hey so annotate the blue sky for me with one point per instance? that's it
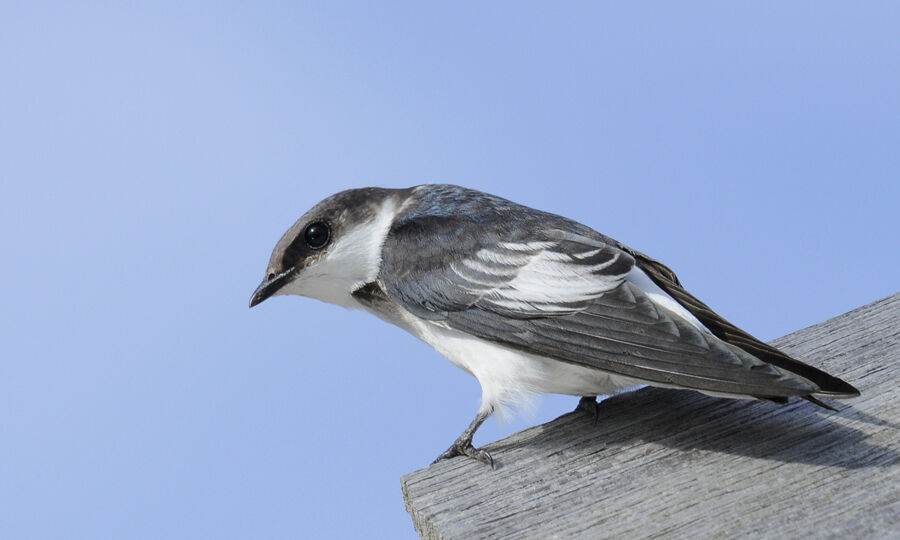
(151, 157)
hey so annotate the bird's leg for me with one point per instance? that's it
(589, 405)
(463, 445)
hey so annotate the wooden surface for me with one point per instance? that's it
(669, 463)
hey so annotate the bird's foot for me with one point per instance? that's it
(463, 447)
(463, 444)
(589, 405)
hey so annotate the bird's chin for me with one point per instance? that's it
(271, 287)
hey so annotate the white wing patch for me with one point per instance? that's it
(532, 277)
(659, 297)
(527, 246)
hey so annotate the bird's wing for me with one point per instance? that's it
(666, 279)
(563, 295)
(626, 333)
(512, 272)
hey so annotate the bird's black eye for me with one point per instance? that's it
(317, 234)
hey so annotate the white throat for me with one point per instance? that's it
(353, 260)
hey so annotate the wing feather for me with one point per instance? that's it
(616, 337)
(666, 279)
(527, 273)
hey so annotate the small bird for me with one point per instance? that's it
(526, 301)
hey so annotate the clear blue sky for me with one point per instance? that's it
(150, 157)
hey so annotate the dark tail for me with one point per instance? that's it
(829, 385)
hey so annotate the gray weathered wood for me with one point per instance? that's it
(679, 464)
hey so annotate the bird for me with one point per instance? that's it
(527, 301)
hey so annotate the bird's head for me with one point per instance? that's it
(332, 249)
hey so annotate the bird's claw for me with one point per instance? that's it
(465, 448)
(589, 405)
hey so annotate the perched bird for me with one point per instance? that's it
(524, 300)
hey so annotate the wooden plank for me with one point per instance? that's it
(668, 463)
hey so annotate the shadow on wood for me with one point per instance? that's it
(682, 421)
(677, 462)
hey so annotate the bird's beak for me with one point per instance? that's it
(270, 286)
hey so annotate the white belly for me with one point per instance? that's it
(508, 376)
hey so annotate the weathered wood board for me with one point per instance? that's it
(669, 463)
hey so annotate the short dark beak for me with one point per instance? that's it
(270, 286)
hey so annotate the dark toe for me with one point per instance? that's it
(479, 454)
(466, 450)
(589, 405)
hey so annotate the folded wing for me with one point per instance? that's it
(557, 291)
(513, 273)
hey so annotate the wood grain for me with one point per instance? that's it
(669, 463)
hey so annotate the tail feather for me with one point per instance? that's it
(724, 330)
(819, 403)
